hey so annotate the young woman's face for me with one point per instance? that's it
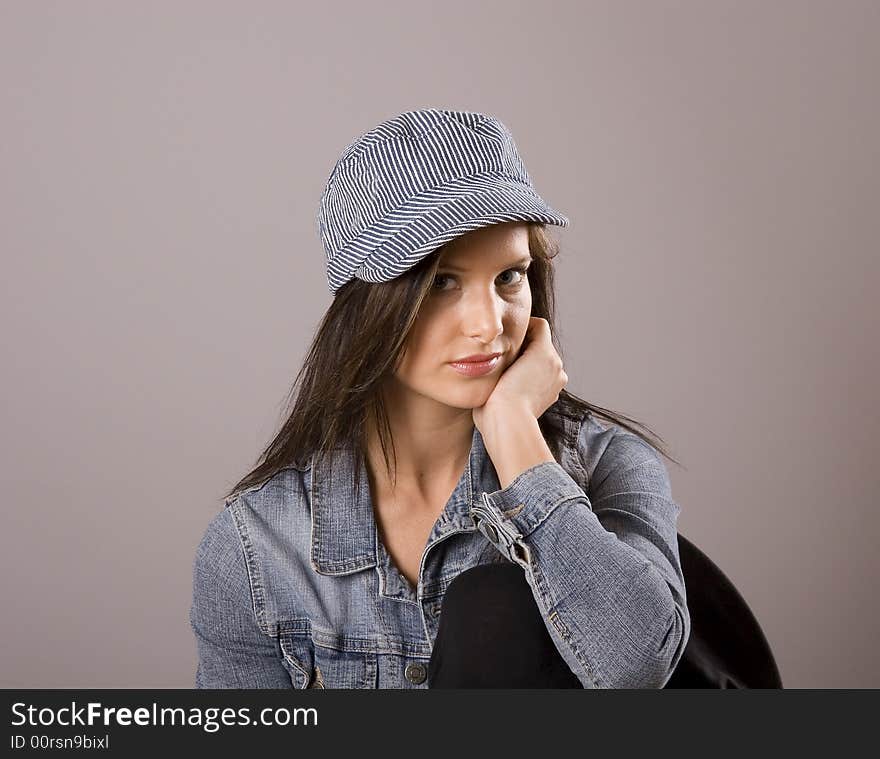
(480, 303)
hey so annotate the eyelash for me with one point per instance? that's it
(512, 286)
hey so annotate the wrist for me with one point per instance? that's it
(514, 441)
(501, 408)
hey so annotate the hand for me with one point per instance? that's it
(534, 379)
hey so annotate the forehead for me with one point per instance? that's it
(498, 243)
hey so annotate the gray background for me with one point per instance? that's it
(162, 276)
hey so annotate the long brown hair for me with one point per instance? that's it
(356, 348)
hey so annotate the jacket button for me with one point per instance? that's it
(490, 533)
(416, 673)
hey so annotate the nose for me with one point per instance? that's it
(482, 315)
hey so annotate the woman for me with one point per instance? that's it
(437, 511)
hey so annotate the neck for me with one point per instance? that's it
(432, 443)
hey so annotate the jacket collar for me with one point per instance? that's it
(344, 531)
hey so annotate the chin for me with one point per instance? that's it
(464, 394)
(470, 397)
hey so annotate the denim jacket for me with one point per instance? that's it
(293, 588)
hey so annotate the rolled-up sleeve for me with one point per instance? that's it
(604, 569)
(233, 652)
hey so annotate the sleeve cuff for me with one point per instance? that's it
(507, 516)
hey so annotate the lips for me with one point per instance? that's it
(475, 358)
(470, 368)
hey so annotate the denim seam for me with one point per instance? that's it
(557, 622)
(375, 598)
(564, 633)
(576, 424)
(260, 485)
(254, 577)
(635, 492)
(621, 472)
(551, 509)
(354, 645)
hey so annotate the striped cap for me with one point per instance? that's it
(415, 182)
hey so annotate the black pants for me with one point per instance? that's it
(491, 635)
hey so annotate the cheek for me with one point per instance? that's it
(422, 350)
(518, 317)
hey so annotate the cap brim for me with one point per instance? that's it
(398, 242)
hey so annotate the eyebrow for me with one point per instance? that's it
(519, 261)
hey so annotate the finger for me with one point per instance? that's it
(539, 325)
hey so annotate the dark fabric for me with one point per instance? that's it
(491, 634)
(726, 648)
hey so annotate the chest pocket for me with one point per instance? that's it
(317, 659)
(345, 669)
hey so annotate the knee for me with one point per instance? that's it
(492, 634)
(493, 595)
